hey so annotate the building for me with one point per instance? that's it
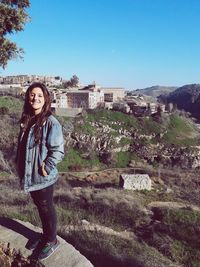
(77, 99)
(113, 94)
(28, 79)
(121, 106)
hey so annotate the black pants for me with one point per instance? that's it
(43, 199)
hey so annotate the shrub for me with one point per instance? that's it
(180, 223)
(123, 159)
(4, 110)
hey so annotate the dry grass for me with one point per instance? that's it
(158, 242)
(114, 251)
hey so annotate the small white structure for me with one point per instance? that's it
(135, 181)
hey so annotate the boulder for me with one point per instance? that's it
(135, 181)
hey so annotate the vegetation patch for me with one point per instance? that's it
(183, 224)
(86, 128)
(149, 126)
(4, 174)
(74, 161)
(109, 116)
(179, 132)
(114, 251)
(13, 104)
(125, 141)
(185, 254)
(71, 160)
(123, 159)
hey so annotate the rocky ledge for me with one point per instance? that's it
(14, 236)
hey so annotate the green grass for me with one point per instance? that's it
(125, 141)
(181, 224)
(179, 132)
(174, 129)
(185, 254)
(74, 161)
(109, 116)
(72, 158)
(123, 158)
(86, 128)
(4, 174)
(94, 161)
(12, 103)
(182, 216)
(149, 126)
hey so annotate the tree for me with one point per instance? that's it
(13, 17)
(73, 82)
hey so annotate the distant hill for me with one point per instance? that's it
(155, 91)
(186, 97)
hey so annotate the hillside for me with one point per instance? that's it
(123, 228)
(186, 97)
(105, 138)
(155, 91)
(109, 225)
(102, 138)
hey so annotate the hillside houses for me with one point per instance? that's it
(24, 80)
(73, 100)
(77, 99)
(140, 106)
(89, 97)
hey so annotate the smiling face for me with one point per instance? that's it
(36, 100)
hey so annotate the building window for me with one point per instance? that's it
(108, 97)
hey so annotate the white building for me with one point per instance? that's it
(113, 94)
(77, 99)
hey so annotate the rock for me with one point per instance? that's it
(135, 181)
(96, 228)
(85, 222)
(158, 180)
(18, 233)
(169, 190)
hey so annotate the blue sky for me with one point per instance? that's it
(124, 43)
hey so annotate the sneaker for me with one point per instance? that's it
(34, 243)
(48, 249)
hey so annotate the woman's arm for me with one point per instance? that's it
(55, 147)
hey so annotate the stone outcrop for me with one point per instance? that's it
(19, 233)
(107, 140)
(135, 181)
(87, 226)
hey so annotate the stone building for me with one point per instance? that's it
(77, 99)
(113, 94)
(28, 79)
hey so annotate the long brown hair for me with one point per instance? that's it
(27, 113)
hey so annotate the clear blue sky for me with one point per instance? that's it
(125, 43)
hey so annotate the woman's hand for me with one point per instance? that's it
(44, 173)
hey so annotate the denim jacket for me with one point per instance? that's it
(49, 151)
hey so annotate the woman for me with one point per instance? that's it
(40, 148)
